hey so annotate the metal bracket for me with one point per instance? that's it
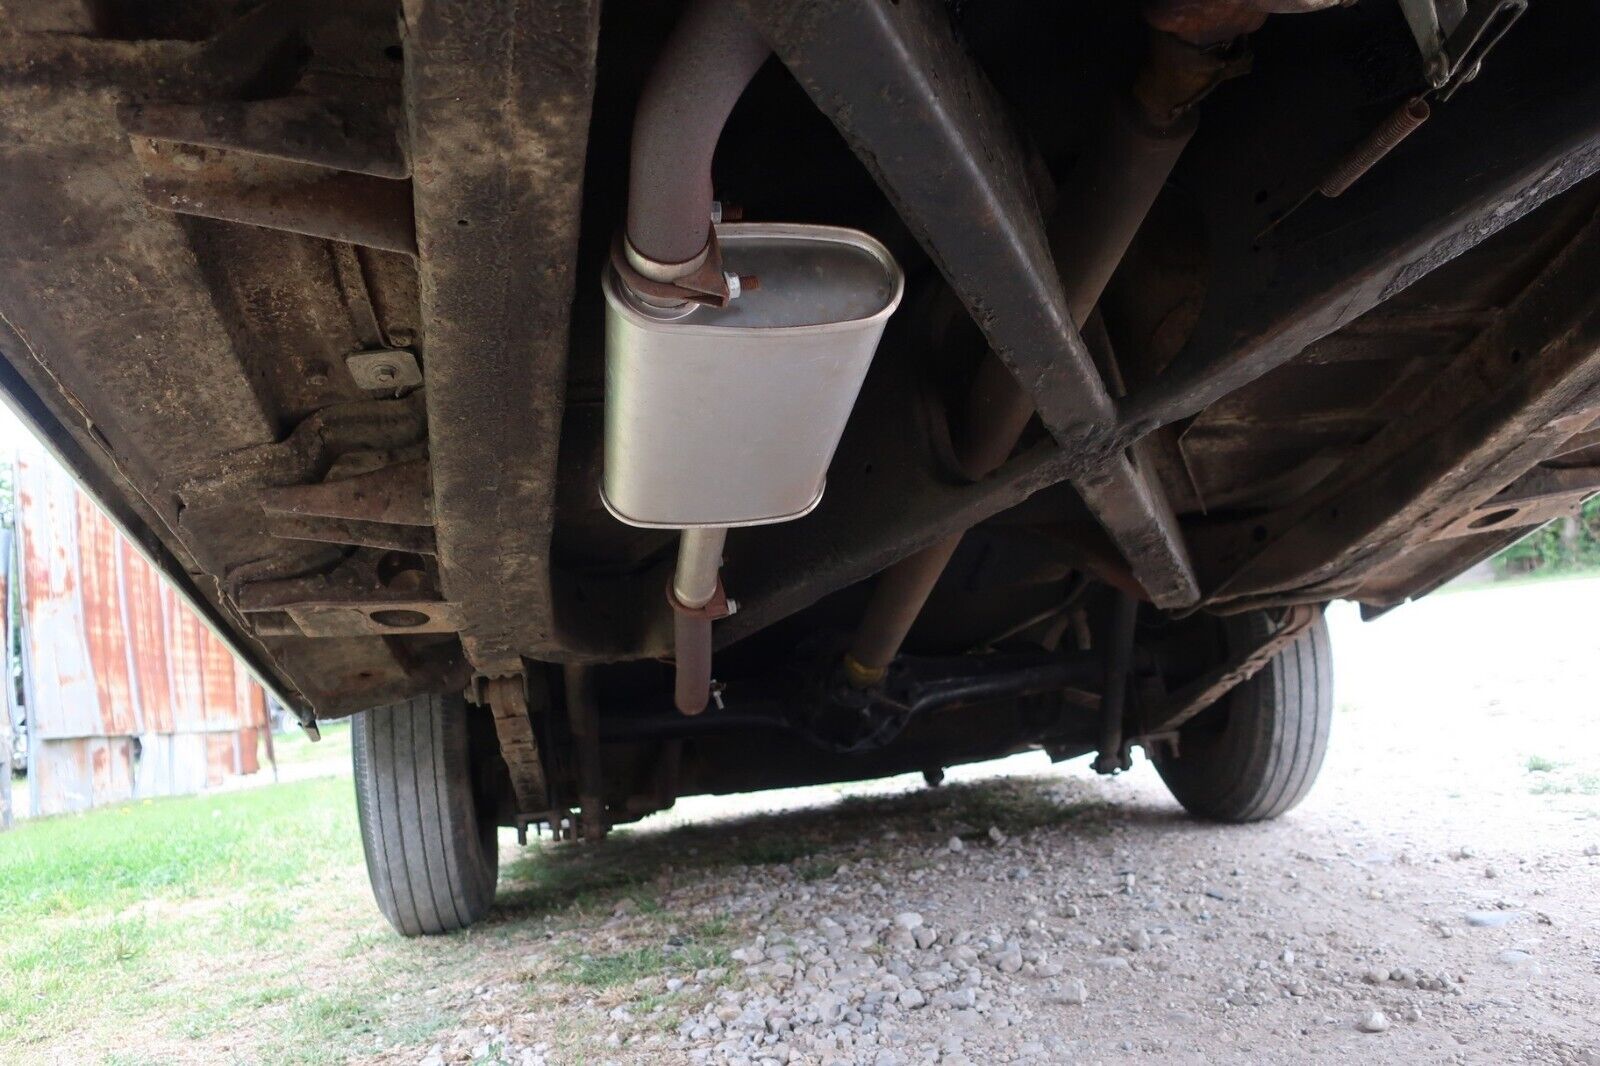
(1455, 35)
(397, 494)
(507, 698)
(1211, 686)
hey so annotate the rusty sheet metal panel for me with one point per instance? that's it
(128, 693)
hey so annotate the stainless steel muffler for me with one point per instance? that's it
(728, 416)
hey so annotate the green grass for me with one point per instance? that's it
(82, 865)
(1562, 777)
(714, 928)
(1573, 785)
(625, 967)
(100, 911)
(240, 917)
(296, 749)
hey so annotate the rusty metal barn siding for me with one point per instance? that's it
(8, 708)
(128, 693)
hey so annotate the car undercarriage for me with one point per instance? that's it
(476, 367)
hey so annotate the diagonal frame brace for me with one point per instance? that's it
(929, 127)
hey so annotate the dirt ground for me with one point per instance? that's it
(1437, 899)
(1441, 886)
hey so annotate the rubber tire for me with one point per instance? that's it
(431, 860)
(1255, 754)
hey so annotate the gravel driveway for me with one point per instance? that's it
(1437, 899)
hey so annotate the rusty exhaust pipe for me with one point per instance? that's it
(703, 69)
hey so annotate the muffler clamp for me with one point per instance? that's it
(714, 608)
(704, 284)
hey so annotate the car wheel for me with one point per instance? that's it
(432, 859)
(1255, 753)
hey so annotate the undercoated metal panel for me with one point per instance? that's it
(497, 194)
(128, 693)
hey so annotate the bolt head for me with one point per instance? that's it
(385, 372)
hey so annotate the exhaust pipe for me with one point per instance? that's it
(703, 69)
(695, 585)
(734, 353)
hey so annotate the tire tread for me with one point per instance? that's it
(1266, 756)
(432, 865)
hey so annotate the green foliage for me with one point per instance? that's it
(1557, 547)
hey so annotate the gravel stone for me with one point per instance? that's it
(1492, 919)
(1283, 942)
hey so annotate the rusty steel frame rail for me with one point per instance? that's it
(916, 110)
(498, 100)
(1326, 266)
(1511, 398)
(1216, 683)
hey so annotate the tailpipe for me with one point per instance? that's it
(697, 600)
(734, 352)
